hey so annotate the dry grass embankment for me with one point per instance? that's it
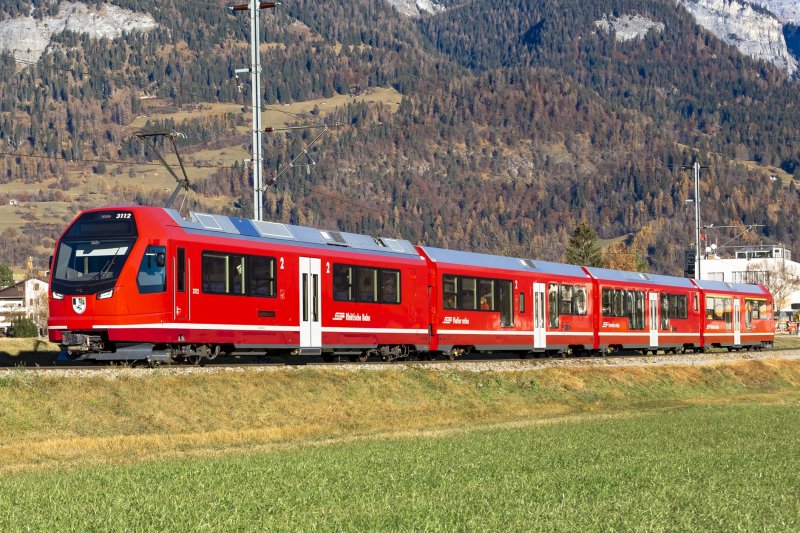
(52, 421)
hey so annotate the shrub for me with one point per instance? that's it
(24, 327)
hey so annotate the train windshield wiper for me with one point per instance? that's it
(107, 267)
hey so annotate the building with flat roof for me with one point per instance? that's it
(770, 265)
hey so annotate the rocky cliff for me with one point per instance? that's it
(27, 38)
(754, 31)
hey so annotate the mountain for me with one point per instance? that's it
(493, 125)
(755, 31)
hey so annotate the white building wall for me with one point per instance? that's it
(723, 270)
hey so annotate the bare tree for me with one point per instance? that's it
(779, 278)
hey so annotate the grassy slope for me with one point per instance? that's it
(710, 467)
(152, 415)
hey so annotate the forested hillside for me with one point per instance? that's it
(518, 119)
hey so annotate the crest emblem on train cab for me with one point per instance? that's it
(79, 304)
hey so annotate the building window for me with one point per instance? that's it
(751, 276)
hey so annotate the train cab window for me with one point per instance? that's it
(152, 276)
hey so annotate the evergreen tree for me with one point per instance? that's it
(6, 276)
(582, 248)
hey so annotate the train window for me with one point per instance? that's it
(552, 300)
(718, 308)
(579, 300)
(624, 304)
(242, 275)
(469, 288)
(365, 284)
(673, 306)
(665, 310)
(505, 302)
(342, 283)
(757, 309)
(181, 270)
(521, 302)
(450, 292)
(486, 291)
(152, 276)
(261, 276)
(215, 273)
(480, 294)
(390, 286)
(236, 271)
(607, 296)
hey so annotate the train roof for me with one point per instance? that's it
(623, 276)
(746, 288)
(441, 255)
(286, 233)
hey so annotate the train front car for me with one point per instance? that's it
(91, 278)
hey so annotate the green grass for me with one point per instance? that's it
(718, 468)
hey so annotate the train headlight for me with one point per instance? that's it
(105, 295)
(57, 296)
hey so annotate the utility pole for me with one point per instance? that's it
(696, 167)
(255, 6)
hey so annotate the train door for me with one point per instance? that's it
(737, 321)
(181, 287)
(653, 320)
(310, 312)
(539, 317)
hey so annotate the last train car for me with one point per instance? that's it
(736, 315)
(144, 283)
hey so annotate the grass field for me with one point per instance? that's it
(707, 467)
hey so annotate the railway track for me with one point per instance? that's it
(474, 364)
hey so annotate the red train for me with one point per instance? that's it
(132, 283)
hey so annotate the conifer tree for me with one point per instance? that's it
(582, 248)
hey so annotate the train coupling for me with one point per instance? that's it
(81, 342)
